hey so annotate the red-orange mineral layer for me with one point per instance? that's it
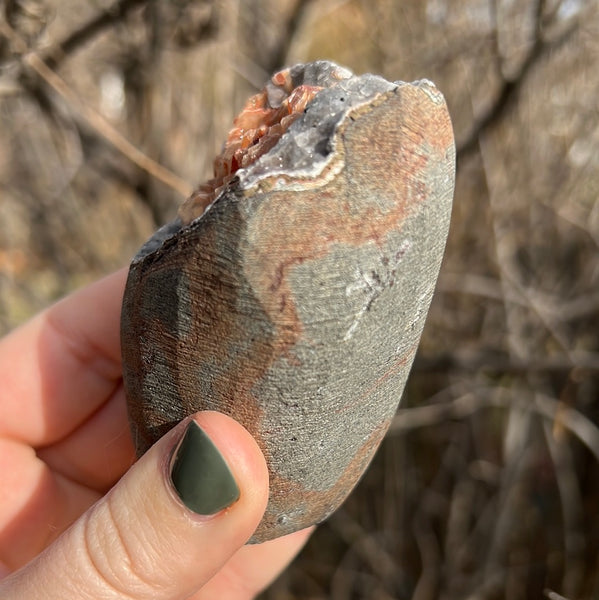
(291, 291)
(256, 130)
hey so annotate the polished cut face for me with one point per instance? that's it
(291, 290)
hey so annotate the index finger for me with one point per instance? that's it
(57, 369)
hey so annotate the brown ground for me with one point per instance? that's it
(488, 484)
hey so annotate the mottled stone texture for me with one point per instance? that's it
(295, 303)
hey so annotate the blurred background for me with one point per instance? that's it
(487, 485)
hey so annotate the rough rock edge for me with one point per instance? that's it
(308, 146)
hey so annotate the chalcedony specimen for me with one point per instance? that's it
(292, 289)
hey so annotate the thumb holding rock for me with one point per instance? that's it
(170, 524)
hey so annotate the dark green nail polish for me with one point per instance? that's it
(200, 474)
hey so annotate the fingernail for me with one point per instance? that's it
(200, 474)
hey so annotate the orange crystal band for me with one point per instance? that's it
(256, 130)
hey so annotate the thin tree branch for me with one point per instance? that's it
(493, 364)
(511, 87)
(278, 55)
(81, 36)
(93, 118)
(487, 397)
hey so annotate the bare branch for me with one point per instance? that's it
(279, 54)
(94, 119)
(494, 364)
(486, 397)
(510, 88)
(551, 595)
(81, 36)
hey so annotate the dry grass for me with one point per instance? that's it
(487, 485)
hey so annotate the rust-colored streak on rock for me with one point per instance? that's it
(392, 371)
(377, 186)
(292, 296)
(314, 506)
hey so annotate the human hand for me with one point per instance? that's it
(76, 519)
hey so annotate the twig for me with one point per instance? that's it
(512, 86)
(363, 543)
(490, 288)
(571, 502)
(427, 585)
(90, 29)
(93, 118)
(279, 54)
(492, 363)
(486, 397)
(551, 595)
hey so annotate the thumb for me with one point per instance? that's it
(166, 528)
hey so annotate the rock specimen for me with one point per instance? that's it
(292, 289)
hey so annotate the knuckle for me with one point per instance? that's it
(117, 560)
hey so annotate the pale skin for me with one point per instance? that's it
(65, 442)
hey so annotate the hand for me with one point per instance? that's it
(76, 519)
